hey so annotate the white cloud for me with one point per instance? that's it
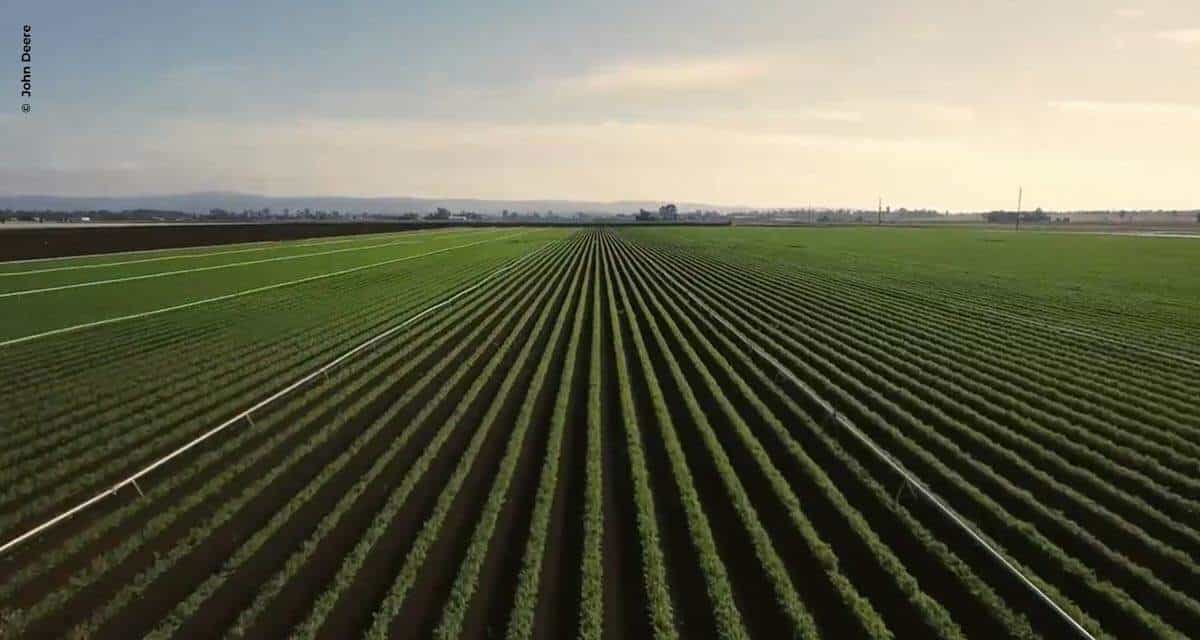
(856, 144)
(1181, 37)
(278, 144)
(522, 160)
(680, 75)
(885, 115)
(1129, 13)
(758, 117)
(829, 115)
(947, 113)
(1138, 109)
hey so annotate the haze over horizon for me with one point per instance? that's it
(1088, 105)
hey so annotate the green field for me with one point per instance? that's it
(663, 432)
(1131, 274)
(44, 296)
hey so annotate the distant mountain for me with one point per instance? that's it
(203, 202)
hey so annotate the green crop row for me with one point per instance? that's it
(525, 600)
(189, 607)
(165, 519)
(229, 509)
(353, 562)
(288, 315)
(157, 423)
(919, 408)
(802, 624)
(446, 331)
(936, 617)
(66, 308)
(658, 591)
(968, 581)
(725, 611)
(414, 560)
(513, 288)
(898, 442)
(591, 595)
(847, 280)
(467, 580)
(932, 404)
(92, 404)
(951, 344)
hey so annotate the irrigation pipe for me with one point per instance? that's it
(909, 477)
(245, 415)
(238, 294)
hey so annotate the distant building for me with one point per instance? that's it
(667, 212)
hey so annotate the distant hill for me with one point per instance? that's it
(203, 202)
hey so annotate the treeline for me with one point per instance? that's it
(1010, 217)
(20, 215)
(1115, 216)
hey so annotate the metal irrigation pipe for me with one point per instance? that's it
(324, 369)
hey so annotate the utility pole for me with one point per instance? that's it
(879, 219)
(1020, 196)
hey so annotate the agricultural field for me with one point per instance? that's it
(606, 433)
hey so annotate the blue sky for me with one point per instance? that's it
(928, 103)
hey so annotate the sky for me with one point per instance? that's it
(942, 104)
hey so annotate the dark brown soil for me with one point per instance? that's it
(422, 608)
(694, 610)
(624, 587)
(494, 594)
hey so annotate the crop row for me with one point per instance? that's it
(329, 404)
(628, 435)
(86, 451)
(1175, 604)
(337, 402)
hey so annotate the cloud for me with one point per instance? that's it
(1137, 109)
(727, 159)
(946, 113)
(830, 115)
(679, 75)
(352, 140)
(1181, 37)
(601, 159)
(782, 116)
(1129, 13)
(854, 144)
